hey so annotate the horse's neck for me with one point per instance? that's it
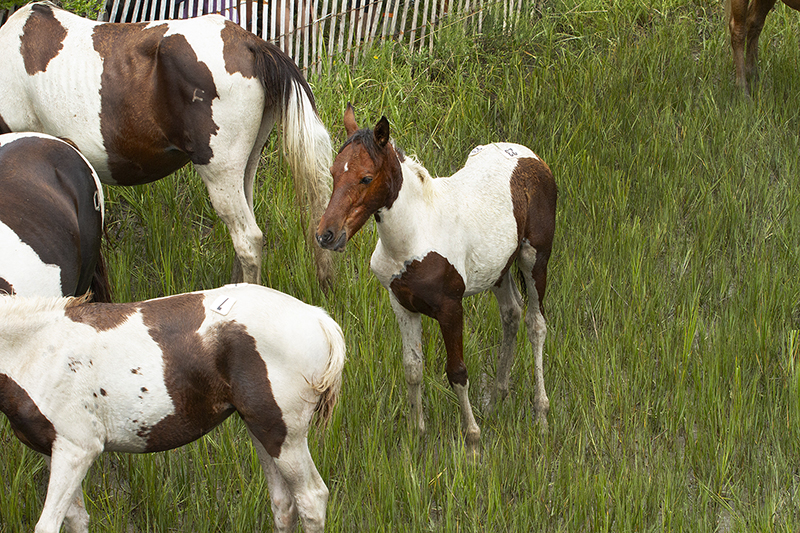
(411, 216)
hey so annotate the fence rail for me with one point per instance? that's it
(313, 32)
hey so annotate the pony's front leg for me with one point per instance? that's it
(76, 519)
(411, 331)
(451, 321)
(68, 466)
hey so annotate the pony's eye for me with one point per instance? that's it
(366, 180)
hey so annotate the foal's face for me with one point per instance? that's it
(366, 178)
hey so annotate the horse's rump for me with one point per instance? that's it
(52, 205)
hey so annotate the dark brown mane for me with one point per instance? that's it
(366, 138)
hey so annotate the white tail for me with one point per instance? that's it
(329, 383)
(307, 147)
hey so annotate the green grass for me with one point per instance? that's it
(673, 353)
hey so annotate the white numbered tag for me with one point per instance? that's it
(223, 304)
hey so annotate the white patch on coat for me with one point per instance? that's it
(72, 80)
(22, 267)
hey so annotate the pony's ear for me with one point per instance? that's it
(350, 125)
(382, 132)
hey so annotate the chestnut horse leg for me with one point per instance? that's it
(450, 316)
(510, 302)
(756, 16)
(738, 28)
(534, 269)
(413, 361)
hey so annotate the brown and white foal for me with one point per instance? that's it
(78, 379)
(447, 238)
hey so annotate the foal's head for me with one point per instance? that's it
(366, 178)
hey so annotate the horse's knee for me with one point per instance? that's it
(413, 367)
(313, 505)
(284, 512)
(537, 327)
(77, 520)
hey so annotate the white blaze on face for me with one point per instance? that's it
(21, 266)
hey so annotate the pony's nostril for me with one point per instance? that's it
(325, 238)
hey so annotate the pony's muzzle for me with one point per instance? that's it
(332, 241)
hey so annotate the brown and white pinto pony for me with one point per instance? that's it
(142, 100)
(51, 219)
(443, 239)
(78, 379)
(745, 21)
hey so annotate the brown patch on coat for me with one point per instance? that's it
(251, 394)
(3, 126)
(432, 286)
(42, 39)
(27, 421)
(48, 202)
(208, 377)
(6, 287)
(156, 98)
(533, 196)
(102, 317)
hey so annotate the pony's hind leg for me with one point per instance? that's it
(231, 204)
(533, 265)
(284, 508)
(411, 331)
(296, 472)
(756, 15)
(510, 303)
(253, 160)
(68, 466)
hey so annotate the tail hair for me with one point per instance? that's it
(100, 287)
(329, 384)
(305, 140)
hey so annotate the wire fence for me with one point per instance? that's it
(314, 32)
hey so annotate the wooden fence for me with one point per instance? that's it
(314, 32)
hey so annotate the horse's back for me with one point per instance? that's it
(290, 327)
(135, 98)
(51, 216)
(503, 194)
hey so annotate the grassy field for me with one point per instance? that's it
(673, 353)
